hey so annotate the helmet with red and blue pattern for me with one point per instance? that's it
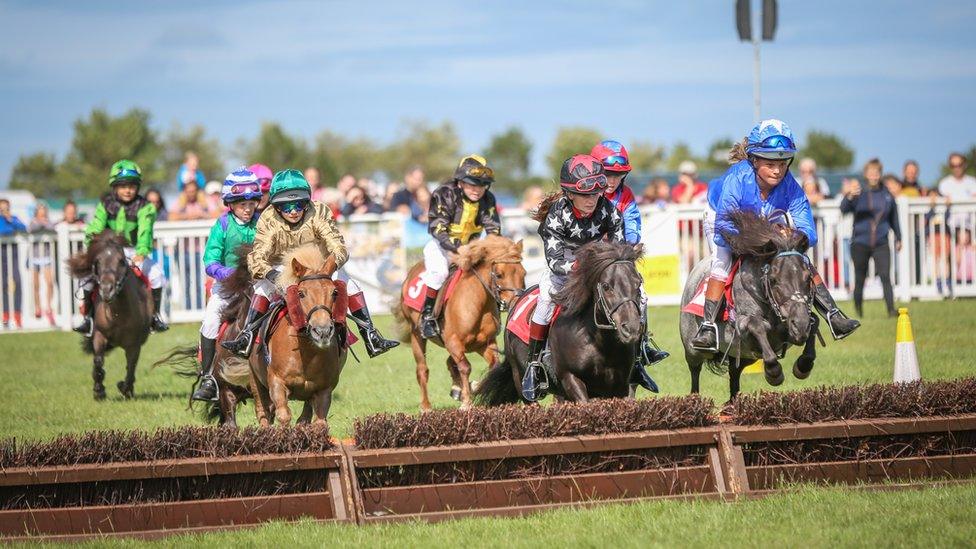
(241, 184)
(771, 139)
(613, 155)
(583, 174)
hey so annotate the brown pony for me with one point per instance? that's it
(302, 366)
(492, 277)
(123, 309)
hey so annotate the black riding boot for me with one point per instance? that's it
(428, 324)
(207, 389)
(707, 337)
(88, 311)
(375, 343)
(157, 321)
(840, 325)
(535, 383)
(241, 345)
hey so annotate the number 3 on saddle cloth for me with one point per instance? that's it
(697, 304)
(414, 293)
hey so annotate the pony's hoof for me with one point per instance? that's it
(774, 373)
(456, 393)
(99, 394)
(802, 367)
(124, 389)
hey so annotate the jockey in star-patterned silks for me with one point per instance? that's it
(581, 215)
(616, 166)
(759, 181)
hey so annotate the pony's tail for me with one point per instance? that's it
(402, 323)
(498, 387)
(183, 361)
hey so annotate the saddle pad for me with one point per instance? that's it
(697, 304)
(415, 292)
(521, 315)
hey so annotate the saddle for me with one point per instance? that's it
(415, 292)
(697, 304)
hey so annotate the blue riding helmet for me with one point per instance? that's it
(771, 139)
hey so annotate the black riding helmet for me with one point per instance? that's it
(474, 170)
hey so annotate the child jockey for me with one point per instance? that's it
(128, 213)
(563, 231)
(292, 221)
(460, 210)
(616, 166)
(241, 193)
(264, 175)
(759, 180)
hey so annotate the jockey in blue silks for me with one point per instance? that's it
(760, 181)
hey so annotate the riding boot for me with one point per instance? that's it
(535, 383)
(428, 324)
(639, 375)
(707, 337)
(840, 325)
(207, 389)
(375, 343)
(87, 311)
(242, 344)
(157, 321)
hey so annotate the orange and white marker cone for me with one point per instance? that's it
(906, 361)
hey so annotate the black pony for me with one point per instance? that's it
(772, 292)
(593, 341)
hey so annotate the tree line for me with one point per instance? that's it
(100, 139)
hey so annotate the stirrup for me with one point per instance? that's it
(429, 328)
(214, 398)
(91, 327)
(830, 315)
(233, 345)
(706, 325)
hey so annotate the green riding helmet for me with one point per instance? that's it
(289, 186)
(125, 172)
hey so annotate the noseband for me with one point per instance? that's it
(607, 309)
(494, 287)
(768, 289)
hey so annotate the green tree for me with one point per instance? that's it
(101, 140)
(829, 150)
(645, 157)
(335, 155)
(571, 140)
(717, 158)
(509, 154)
(434, 148)
(680, 152)
(37, 173)
(275, 148)
(178, 141)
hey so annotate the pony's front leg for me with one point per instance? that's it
(736, 365)
(455, 347)
(771, 367)
(227, 406)
(306, 416)
(419, 347)
(262, 401)
(321, 404)
(98, 365)
(575, 388)
(127, 387)
(279, 396)
(804, 363)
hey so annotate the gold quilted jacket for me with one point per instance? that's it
(275, 237)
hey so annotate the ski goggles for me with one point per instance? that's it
(779, 142)
(245, 188)
(589, 184)
(292, 207)
(480, 172)
(127, 176)
(615, 160)
(265, 184)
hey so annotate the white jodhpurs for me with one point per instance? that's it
(435, 264)
(210, 326)
(267, 289)
(721, 256)
(352, 287)
(549, 284)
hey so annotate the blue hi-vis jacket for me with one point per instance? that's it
(738, 190)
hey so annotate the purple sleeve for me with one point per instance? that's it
(218, 271)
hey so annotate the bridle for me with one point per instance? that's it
(605, 307)
(320, 307)
(494, 287)
(768, 289)
(119, 278)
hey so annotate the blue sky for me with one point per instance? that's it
(896, 79)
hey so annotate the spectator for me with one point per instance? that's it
(957, 186)
(345, 183)
(153, 195)
(689, 190)
(9, 265)
(392, 188)
(893, 184)
(212, 195)
(938, 244)
(42, 260)
(359, 202)
(70, 215)
(314, 179)
(532, 197)
(657, 193)
(808, 172)
(812, 190)
(411, 199)
(909, 180)
(966, 258)
(332, 199)
(190, 204)
(190, 171)
(875, 213)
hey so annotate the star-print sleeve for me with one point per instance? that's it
(553, 234)
(615, 230)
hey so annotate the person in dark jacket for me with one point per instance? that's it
(875, 214)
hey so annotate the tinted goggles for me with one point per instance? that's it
(291, 207)
(480, 172)
(588, 184)
(615, 160)
(245, 188)
(776, 142)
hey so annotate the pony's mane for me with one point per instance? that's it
(309, 255)
(757, 237)
(81, 263)
(591, 259)
(489, 248)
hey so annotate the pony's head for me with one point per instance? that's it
(606, 281)
(105, 261)
(785, 276)
(503, 258)
(311, 273)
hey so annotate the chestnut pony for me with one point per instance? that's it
(492, 276)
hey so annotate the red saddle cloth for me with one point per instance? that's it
(697, 304)
(415, 292)
(521, 315)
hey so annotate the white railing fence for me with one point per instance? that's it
(937, 258)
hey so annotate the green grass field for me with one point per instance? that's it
(48, 384)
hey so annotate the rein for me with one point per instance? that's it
(313, 310)
(602, 300)
(120, 278)
(494, 289)
(768, 289)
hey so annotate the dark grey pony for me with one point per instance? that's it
(772, 292)
(593, 343)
